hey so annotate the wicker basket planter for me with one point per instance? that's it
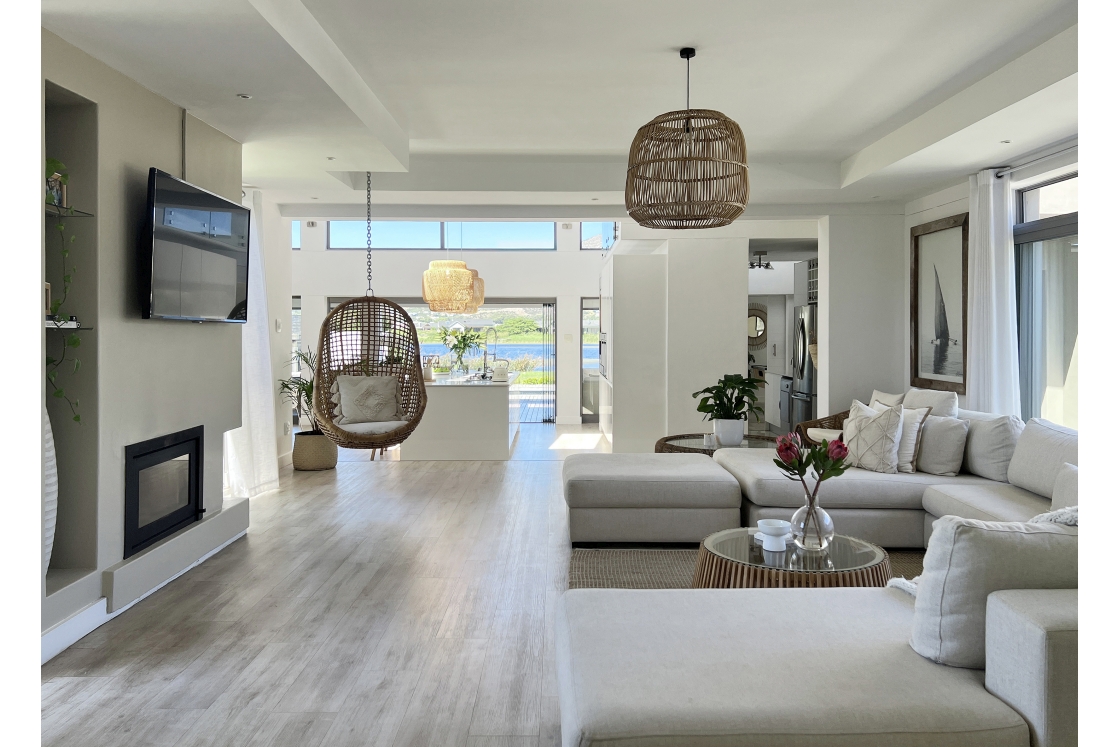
(314, 451)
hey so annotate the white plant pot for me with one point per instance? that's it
(728, 432)
(50, 491)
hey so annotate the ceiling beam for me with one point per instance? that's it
(294, 22)
(1052, 61)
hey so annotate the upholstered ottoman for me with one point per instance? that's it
(648, 497)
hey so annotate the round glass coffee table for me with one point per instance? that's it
(693, 443)
(733, 559)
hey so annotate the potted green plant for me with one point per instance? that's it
(312, 450)
(732, 399)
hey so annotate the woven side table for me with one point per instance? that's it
(731, 559)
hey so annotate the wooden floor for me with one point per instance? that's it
(381, 603)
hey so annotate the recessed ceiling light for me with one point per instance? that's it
(244, 96)
(1005, 142)
(330, 158)
(314, 198)
(874, 197)
(594, 199)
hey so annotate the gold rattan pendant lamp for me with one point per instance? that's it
(449, 285)
(688, 168)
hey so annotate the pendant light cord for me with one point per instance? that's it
(369, 235)
(688, 83)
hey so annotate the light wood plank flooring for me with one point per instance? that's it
(381, 603)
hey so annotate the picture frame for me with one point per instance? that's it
(939, 304)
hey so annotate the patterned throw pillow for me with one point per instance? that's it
(873, 437)
(367, 399)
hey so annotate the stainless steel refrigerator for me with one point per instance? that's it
(803, 393)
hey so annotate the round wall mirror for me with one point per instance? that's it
(756, 327)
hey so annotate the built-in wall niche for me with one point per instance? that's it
(70, 134)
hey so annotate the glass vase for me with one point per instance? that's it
(812, 527)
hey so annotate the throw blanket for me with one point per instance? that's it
(1066, 516)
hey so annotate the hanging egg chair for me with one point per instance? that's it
(371, 337)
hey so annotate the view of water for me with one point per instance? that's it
(513, 351)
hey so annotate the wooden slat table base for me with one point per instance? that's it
(716, 572)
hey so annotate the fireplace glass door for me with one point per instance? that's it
(162, 488)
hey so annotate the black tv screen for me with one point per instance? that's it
(194, 254)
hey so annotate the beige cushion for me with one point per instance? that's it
(368, 399)
(941, 450)
(1065, 487)
(991, 443)
(966, 561)
(890, 400)
(820, 435)
(941, 404)
(763, 484)
(873, 437)
(649, 481)
(1042, 450)
(761, 668)
(991, 501)
(370, 429)
(912, 422)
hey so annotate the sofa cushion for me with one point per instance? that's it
(764, 484)
(941, 449)
(1042, 450)
(941, 404)
(966, 561)
(991, 443)
(1065, 487)
(754, 667)
(649, 480)
(368, 429)
(890, 400)
(991, 501)
(912, 422)
(873, 437)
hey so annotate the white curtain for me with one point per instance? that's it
(992, 379)
(250, 451)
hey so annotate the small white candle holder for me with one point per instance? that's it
(775, 533)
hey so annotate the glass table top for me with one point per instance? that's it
(843, 554)
(752, 441)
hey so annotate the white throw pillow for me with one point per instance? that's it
(966, 561)
(941, 404)
(890, 400)
(1065, 487)
(991, 444)
(872, 437)
(368, 399)
(912, 422)
(941, 449)
(1042, 450)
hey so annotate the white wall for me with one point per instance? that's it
(276, 254)
(567, 275)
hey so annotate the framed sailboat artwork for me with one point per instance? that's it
(939, 304)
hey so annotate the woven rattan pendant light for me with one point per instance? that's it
(687, 169)
(449, 285)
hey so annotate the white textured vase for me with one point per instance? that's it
(50, 491)
(728, 432)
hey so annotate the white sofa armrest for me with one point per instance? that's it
(1031, 646)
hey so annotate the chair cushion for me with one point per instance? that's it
(941, 448)
(1042, 450)
(990, 501)
(764, 484)
(369, 429)
(820, 435)
(649, 480)
(941, 404)
(1065, 487)
(368, 399)
(966, 561)
(754, 667)
(991, 443)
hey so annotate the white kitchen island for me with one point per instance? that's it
(466, 420)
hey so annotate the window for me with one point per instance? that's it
(599, 236)
(1046, 248)
(390, 234)
(295, 234)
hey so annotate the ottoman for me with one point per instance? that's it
(648, 497)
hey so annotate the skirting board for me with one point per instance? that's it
(284, 460)
(75, 628)
(569, 420)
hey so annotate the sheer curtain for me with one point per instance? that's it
(992, 379)
(250, 465)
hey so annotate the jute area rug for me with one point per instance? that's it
(671, 569)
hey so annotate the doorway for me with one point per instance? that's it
(589, 361)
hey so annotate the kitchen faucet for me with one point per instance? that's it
(486, 350)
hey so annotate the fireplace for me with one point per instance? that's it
(162, 488)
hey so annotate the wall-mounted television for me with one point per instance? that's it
(194, 254)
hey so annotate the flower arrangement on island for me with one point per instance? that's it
(460, 342)
(811, 525)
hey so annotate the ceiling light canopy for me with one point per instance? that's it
(687, 168)
(759, 262)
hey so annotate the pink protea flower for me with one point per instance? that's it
(789, 448)
(837, 450)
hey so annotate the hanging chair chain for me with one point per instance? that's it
(369, 236)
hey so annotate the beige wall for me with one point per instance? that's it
(153, 377)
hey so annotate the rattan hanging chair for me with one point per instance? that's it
(369, 336)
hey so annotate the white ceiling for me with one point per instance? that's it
(811, 83)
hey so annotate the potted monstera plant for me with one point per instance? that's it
(733, 399)
(312, 450)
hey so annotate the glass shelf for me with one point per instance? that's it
(65, 212)
(63, 325)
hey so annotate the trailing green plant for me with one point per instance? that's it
(72, 341)
(733, 397)
(300, 391)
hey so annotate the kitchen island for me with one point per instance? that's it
(466, 420)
